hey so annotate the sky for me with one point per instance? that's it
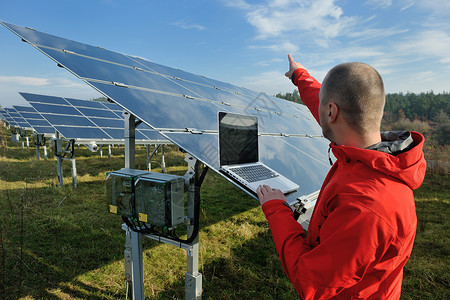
(243, 42)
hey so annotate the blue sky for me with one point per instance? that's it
(244, 42)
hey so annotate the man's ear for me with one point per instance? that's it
(333, 111)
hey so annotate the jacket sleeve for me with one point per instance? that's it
(352, 239)
(308, 88)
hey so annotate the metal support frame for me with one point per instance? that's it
(149, 156)
(40, 142)
(60, 154)
(163, 161)
(193, 279)
(133, 258)
(133, 249)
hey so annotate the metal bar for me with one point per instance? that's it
(137, 278)
(130, 143)
(74, 173)
(193, 279)
(163, 161)
(45, 152)
(137, 265)
(59, 170)
(149, 164)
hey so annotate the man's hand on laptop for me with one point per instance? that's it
(266, 193)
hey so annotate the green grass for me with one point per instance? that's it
(60, 243)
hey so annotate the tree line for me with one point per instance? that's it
(425, 112)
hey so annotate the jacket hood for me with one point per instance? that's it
(400, 154)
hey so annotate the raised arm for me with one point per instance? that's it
(307, 85)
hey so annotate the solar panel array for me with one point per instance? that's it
(3, 114)
(185, 106)
(35, 120)
(15, 119)
(83, 119)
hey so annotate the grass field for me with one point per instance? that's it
(60, 243)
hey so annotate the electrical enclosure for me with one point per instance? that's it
(153, 198)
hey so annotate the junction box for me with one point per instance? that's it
(149, 197)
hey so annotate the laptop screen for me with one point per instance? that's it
(238, 139)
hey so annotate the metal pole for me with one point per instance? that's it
(59, 170)
(101, 150)
(74, 173)
(28, 142)
(193, 279)
(130, 140)
(45, 152)
(163, 161)
(137, 279)
(109, 151)
(149, 164)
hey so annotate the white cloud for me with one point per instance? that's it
(377, 4)
(437, 7)
(269, 62)
(278, 17)
(185, 24)
(428, 44)
(406, 6)
(57, 86)
(270, 82)
(22, 80)
(281, 47)
(365, 34)
(37, 81)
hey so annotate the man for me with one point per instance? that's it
(363, 225)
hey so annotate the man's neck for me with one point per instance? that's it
(353, 139)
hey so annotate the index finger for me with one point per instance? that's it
(291, 59)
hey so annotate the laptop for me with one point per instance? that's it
(239, 158)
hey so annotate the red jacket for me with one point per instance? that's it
(362, 229)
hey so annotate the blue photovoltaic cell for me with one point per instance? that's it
(44, 99)
(44, 129)
(82, 132)
(69, 120)
(93, 120)
(8, 119)
(31, 115)
(89, 112)
(17, 119)
(55, 109)
(36, 121)
(108, 123)
(24, 109)
(113, 107)
(84, 103)
(174, 101)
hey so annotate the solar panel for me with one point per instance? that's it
(36, 121)
(2, 111)
(83, 119)
(185, 106)
(8, 119)
(17, 119)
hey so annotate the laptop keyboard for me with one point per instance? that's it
(254, 173)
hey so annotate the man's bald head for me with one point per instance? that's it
(358, 91)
